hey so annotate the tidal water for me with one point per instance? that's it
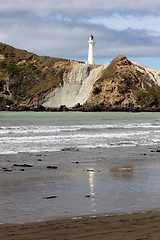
(34, 132)
(106, 162)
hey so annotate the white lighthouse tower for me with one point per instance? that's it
(91, 59)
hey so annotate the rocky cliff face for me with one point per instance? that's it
(28, 81)
(125, 85)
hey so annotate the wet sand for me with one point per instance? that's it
(112, 180)
(135, 226)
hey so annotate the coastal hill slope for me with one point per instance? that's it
(25, 78)
(126, 85)
(32, 82)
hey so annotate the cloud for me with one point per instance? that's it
(72, 7)
(53, 38)
(61, 28)
(123, 22)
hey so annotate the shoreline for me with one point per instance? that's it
(127, 226)
(94, 109)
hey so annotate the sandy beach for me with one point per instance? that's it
(135, 226)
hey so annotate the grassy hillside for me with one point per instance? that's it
(25, 77)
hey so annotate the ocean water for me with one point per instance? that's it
(107, 163)
(34, 132)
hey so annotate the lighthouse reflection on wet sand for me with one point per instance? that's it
(91, 58)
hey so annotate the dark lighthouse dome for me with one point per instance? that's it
(91, 36)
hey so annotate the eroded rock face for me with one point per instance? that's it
(153, 74)
(77, 85)
(125, 86)
(66, 94)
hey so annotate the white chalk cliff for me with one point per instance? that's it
(77, 86)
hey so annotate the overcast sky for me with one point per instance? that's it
(61, 28)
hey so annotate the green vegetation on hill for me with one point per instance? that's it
(25, 76)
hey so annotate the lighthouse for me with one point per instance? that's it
(91, 59)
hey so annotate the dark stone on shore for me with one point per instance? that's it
(39, 160)
(22, 170)
(52, 167)
(69, 149)
(158, 150)
(7, 170)
(78, 105)
(63, 108)
(90, 170)
(50, 197)
(38, 108)
(22, 165)
(87, 196)
(77, 162)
